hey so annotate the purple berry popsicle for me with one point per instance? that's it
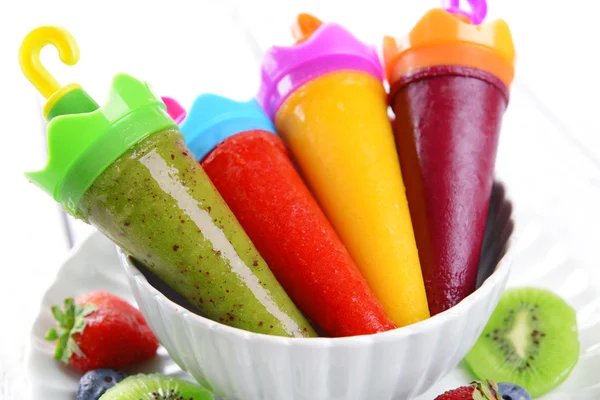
(449, 86)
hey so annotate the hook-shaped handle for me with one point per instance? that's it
(304, 27)
(29, 56)
(477, 13)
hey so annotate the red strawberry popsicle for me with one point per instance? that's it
(252, 170)
(449, 87)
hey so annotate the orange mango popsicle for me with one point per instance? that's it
(328, 103)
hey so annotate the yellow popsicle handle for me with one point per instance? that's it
(29, 56)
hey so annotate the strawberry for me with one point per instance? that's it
(100, 330)
(475, 391)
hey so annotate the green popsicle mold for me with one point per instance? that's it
(82, 145)
(74, 101)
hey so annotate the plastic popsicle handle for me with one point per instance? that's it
(304, 27)
(68, 99)
(477, 13)
(29, 56)
(174, 109)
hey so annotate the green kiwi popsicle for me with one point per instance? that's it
(125, 169)
(157, 203)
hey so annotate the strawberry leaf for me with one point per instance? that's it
(86, 310)
(71, 321)
(477, 395)
(58, 315)
(52, 335)
(485, 391)
(73, 348)
(80, 314)
(69, 312)
(59, 353)
(494, 388)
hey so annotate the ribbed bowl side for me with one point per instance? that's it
(399, 364)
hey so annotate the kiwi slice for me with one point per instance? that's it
(531, 340)
(156, 387)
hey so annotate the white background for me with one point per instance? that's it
(549, 152)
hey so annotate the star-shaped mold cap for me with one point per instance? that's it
(81, 146)
(445, 38)
(213, 118)
(320, 49)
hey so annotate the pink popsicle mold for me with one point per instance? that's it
(331, 48)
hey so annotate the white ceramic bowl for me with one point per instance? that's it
(399, 364)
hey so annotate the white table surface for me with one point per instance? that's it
(549, 153)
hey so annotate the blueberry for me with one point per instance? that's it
(510, 391)
(94, 383)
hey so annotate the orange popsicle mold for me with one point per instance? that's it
(442, 38)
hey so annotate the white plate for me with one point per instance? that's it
(538, 261)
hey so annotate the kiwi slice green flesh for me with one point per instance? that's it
(156, 387)
(531, 340)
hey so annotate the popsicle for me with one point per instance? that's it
(449, 88)
(251, 168)
(124, 168)
(328, 102)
